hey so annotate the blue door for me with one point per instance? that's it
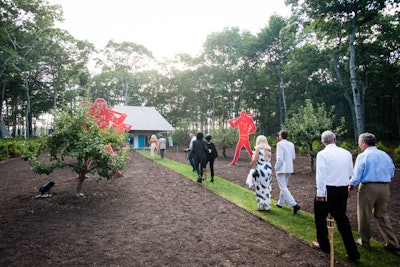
(141, 141)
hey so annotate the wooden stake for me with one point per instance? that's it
(331, 229)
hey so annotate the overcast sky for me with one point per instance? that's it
(165, 27)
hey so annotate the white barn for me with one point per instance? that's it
(145, 121)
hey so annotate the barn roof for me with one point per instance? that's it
(144, 119)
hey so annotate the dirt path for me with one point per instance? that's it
(150, 217)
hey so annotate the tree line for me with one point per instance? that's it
(339, 55)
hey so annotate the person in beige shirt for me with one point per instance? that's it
(162, 142)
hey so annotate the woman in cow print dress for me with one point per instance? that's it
(262, 185)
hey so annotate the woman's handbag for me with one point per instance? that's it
(255, 174)
(250, 179)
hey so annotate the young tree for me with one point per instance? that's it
(78, 142)
(308, 122)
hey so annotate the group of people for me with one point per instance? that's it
(200, 154)
(157, 145)
(336, 177)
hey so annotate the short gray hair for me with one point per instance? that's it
(328, 137)
(368, 138)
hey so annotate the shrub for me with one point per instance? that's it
(349, 146)
(225, 138)
(11, 148)
(381, 146)
(396, 155)
(181, 137)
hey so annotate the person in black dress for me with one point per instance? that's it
(212, 155)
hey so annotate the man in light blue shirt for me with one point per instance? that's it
(373, 171)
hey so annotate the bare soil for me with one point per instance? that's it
(152, 216)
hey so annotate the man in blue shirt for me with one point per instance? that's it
(373, 171)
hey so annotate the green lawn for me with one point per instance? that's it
(300, 225)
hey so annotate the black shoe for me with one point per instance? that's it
(279, 206)
(199, 180)
(296, 209)
(212, 179)
(354, 258)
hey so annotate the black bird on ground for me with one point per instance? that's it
(46, 187)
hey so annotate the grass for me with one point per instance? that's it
(300, 225)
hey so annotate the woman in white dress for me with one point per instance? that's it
(262, 185)
(153, 143)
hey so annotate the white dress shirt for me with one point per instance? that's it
(334, 168)
(194, 138)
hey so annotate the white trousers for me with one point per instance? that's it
(284, 195)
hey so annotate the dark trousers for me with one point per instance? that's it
(211, 161)
(200, 165)
(191, 160)
(336, 205)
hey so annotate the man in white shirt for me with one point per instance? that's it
(333, 171)
(191, 160)
(285, 154)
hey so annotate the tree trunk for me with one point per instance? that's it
(398, 121)
(126, 91)
(28, 108)
(346, 95)
(14, 118)
(80, 179)
(354, 86)
(3, 90)
(282, 89)
(312, 155)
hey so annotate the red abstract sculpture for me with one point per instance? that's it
(246, 127)
(104, 116)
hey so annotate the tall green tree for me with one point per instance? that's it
(24, 24)
(348, 21)
(120, 64)
(275, 42)
(229, 53)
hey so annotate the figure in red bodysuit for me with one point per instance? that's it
(246, 126)
(104, 115)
